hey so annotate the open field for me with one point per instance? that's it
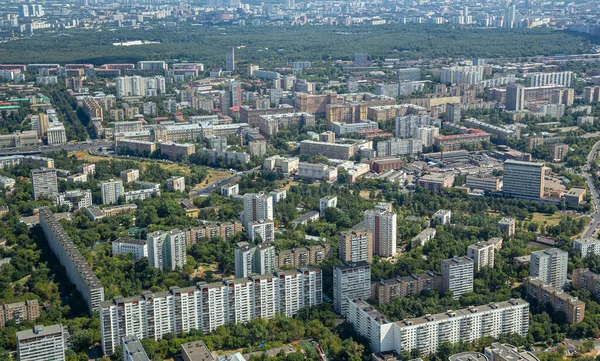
(365, 193)
(143, 164)
(214, 176)
(553, 219)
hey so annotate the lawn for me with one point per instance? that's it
(553, 219)
(143, 164)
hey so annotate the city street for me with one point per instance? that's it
(592, 228)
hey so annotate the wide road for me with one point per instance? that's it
(69, 147)
(592, 228)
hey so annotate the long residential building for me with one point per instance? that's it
(317, 171)
(77, 269)
(564, 78)
(583, 278)
(330, 150)
(208, 230)
(207, 306)
(302, 256)
(455, 141)
(573, 308)
(587, 246)
(385, 291)
(427, 333)
(30, 160)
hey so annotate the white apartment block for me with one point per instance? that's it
(507, 226)
(397, 146)
(482, 253)
(426, 134)
(111, 191)
(250, 260)
(75, 199)
(56, 134)
(443, 216)
(317, 171)
(42, 343)
(278, 195)
(457, 275)
(327, 202)
(45, 183)
(257, 207)
(383, 225)
(176, 184)
(284, 165)
(140, 194)
(587, 246)
(462, 74)
(138, 86)
(549, 266)
(207, 306)
(137, 247)
(407, 125)
(230, 190)
(263, 230)
(429, 332)
(563, 78)
(166, 250)
(350, 281)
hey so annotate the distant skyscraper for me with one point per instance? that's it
(515, 97)
(230, 59)
(361, 59)
(511, 16)
(235, 89)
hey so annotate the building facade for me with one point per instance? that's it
(426, 334)
(77, 269)
(549, 266)
(207, 306)
(42, 343)
(350, 281)
(457, 275)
